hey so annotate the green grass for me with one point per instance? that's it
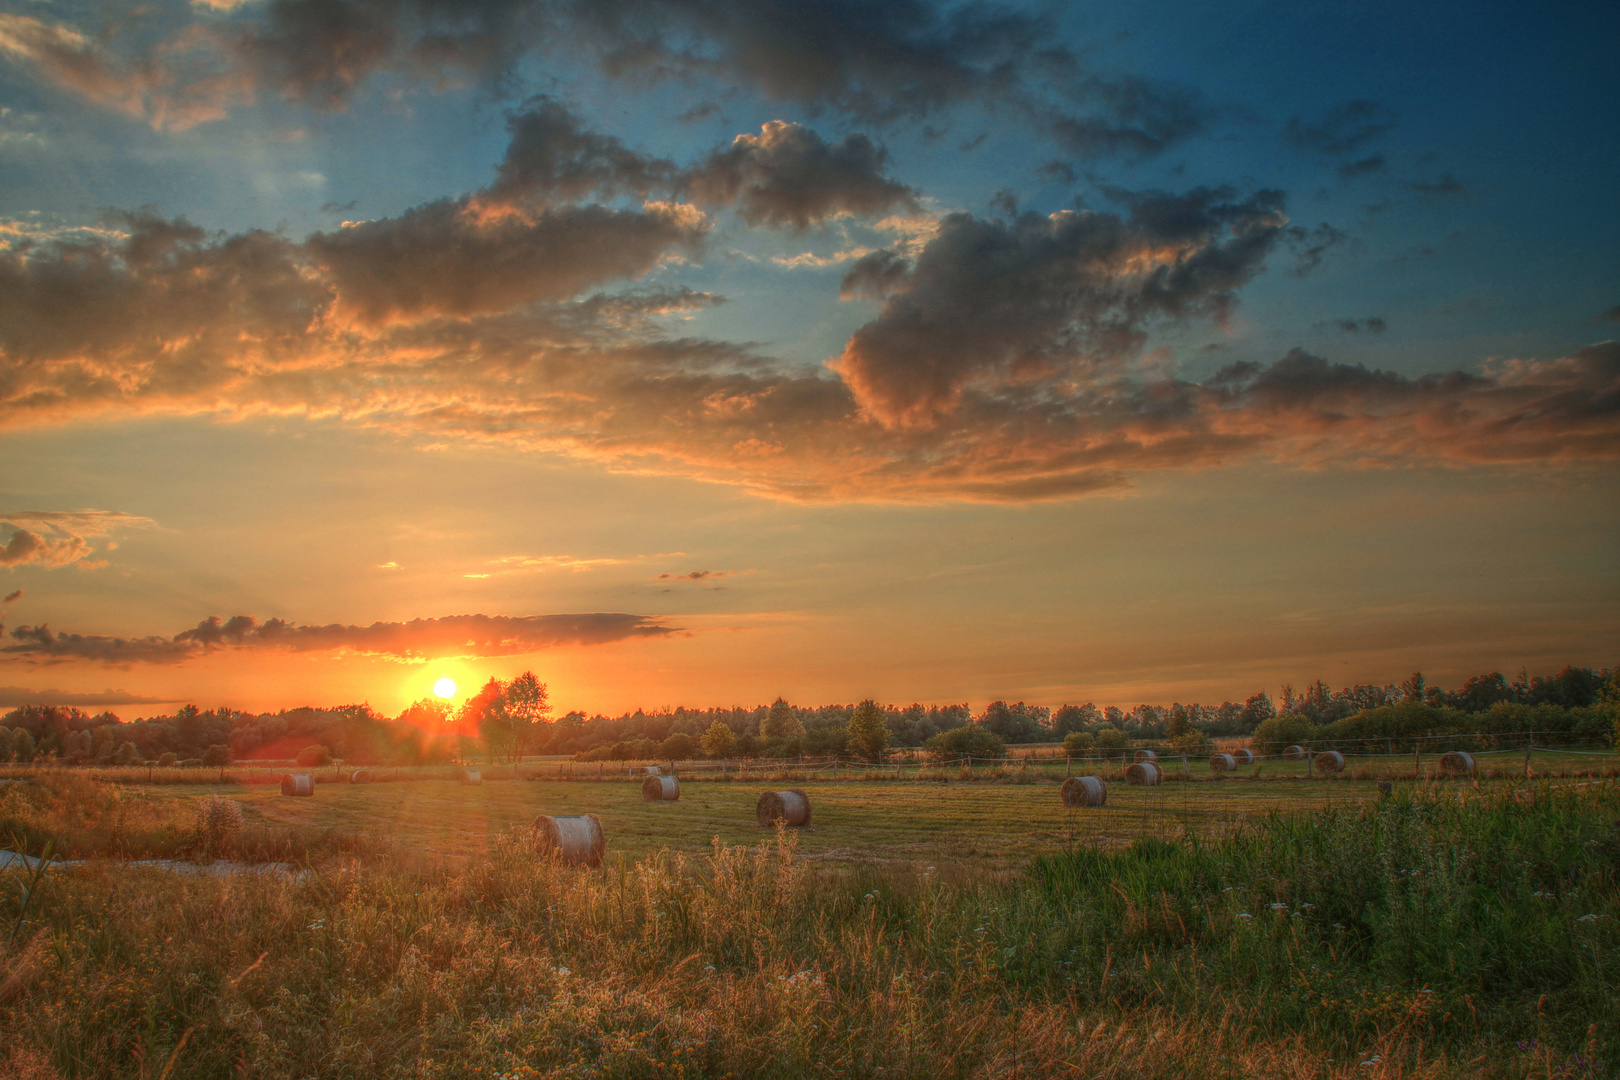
(953, 931)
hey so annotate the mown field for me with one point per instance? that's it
(1233, 928)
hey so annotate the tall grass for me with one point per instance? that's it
(1440, 934)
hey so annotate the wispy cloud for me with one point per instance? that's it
(56, 538)
(449, 636)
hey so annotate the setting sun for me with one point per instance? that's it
(445, 688)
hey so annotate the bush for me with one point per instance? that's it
(718, 741)
(970, 739)
(313, 755)
(1076, 742)
(219, 755)
(1281, 732)
(678, 747)
(1110, 738)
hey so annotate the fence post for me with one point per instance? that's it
(1068, 766)
(1531, 745)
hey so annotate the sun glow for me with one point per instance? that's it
(445, 688)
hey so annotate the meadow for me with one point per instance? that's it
(1235, 927)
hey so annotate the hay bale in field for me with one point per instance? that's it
(1145, 755)
(1144, 773)
(1219, 763)
(297, 784)
(1329, 762)
(1083, 791)
(1295, 753)
(574, 841)
(1244, 756)
(360, 776)
(788, 807)
(1457, 763)
(660, 789)
(472, 776)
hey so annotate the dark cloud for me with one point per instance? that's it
(552, 157)
(13, 696)
(1038, 298)
(874, 276)
(1057, 172)
(454, 635)
(339, 208)
(787, 175)
(1311, 246)
(1372, 325)
(1366, 166)
(1132, 117)
(698, 113)
(696, 575)
(11, 598)
(1612, 315)
(1445, 186)
(1343, 129)
(456, 257)
(881, 63)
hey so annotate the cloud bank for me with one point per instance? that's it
(451, 636)
(56, 538)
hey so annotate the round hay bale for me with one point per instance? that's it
(660, 789)
(1457, 763)
(1295, 753)
(1145, 755)
(1219, 763)
(1145, 773)
(1329, 762)
(1244, 756)
(297, 784)
(573, 841)
(1083, 791)
(472, 776)
(788, 807)
(360, 776)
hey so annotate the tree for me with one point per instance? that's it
(314, 755)
(1257, 710)
(679, 747)
(217, 755)
(782, 722)
(1076, 741)
(868, 735)
(525, 703)
(718, 740)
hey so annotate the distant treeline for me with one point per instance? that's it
(507, 720)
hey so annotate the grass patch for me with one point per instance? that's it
(1443, 932)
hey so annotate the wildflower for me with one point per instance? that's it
(1279, 907)
(1589, 917)
(1244, 915)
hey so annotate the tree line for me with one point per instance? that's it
(505, 721)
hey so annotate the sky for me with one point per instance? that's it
(696, 352)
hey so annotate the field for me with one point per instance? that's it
(1226, 928)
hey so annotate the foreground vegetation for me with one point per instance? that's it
(1443, 931)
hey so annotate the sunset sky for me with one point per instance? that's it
(701, 351)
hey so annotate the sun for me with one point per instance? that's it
(445, 688)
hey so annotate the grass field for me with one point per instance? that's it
(1270, 928)
(1001, 819)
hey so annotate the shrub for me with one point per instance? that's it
(168, 758)
(313, 755)
(219, 755)
(1110, 738)
(678, 747)
(970, 739)
(219, 820)
(1284, 731)
(1076, 742)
